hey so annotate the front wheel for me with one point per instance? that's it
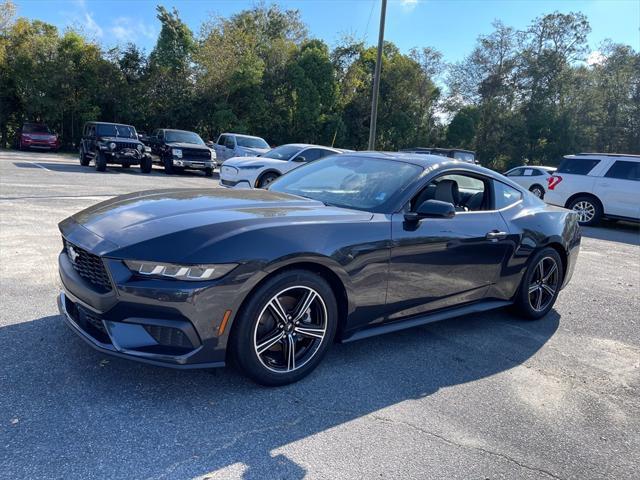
(101, 162)
(285, 328)
(208, 172)
(84, 161)
(589, 210)
(145, 165)
(540, 285)
(168, 165)
(266, 179)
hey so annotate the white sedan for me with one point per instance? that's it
(533, 178)
(258, 172)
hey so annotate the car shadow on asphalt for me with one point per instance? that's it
(69, 409)
(620, 232)
(133, 170)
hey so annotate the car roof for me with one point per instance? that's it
(176, 130)
(110, 123)
(242, 135)
(594, 154)
(423, 160)
(309, 145)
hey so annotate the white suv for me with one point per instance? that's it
(597, 185)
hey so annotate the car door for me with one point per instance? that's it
(229, 147)
(618, 189)
(443, 262)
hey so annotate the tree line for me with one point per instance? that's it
(518, 96)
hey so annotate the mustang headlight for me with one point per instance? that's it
(112, 146)
(176, 152)
(180, 272)
(250, 167)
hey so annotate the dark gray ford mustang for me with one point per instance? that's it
(341, 249)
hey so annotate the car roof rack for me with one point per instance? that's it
(607, 154)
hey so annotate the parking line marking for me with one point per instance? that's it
(37, 165)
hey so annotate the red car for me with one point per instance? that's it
(36, 135)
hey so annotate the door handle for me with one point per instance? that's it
(496, 235)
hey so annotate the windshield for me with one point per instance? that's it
(285, 152)
(351, 182)
(31, 128)
(251, 142)
(108, 130)
(182, 137)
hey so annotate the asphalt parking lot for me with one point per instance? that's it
(481, 397)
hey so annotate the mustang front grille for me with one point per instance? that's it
(89, 266)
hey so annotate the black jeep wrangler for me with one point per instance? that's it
(178, 150)
(113, 143)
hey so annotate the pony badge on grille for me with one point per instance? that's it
(72, 253)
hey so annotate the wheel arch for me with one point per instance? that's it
(537, 185)
(583, 194)
(265, 172)
(564, 256)
(332, 278)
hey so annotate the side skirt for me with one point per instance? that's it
(482, 306)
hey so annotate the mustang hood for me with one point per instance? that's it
(249, 161)
(188, 219)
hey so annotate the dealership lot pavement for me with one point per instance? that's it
(486, 396)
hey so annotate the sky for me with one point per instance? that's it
(451, 26)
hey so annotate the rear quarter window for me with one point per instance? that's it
(624, 170)
(577, 166)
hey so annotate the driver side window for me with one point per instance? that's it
(466, 193)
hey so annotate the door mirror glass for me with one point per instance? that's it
(436, 209)
(299, 158)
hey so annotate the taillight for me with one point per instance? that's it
(553, 180)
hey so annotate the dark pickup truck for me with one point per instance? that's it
(113, 143)
(178, 150)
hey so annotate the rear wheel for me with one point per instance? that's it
(101, 162)
(540, 285)
(285, 328)
(266, 179)
(537, 190)
(168, 165)
(588, 208)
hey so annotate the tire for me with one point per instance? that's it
(84, 161)
(145, 164)
(258, 324)
(588, 208)
(539, 288)
(538, 191)
(208, 172)
(101, 162)
(266, 179)
(168, 165)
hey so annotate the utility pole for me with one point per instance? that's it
(376, 80)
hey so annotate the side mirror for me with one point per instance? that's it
(209, 144)
(431, 209)
(299, 159)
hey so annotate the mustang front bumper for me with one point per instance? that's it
(161, 322)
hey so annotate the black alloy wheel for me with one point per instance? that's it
(540, 285)
(285, 328)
